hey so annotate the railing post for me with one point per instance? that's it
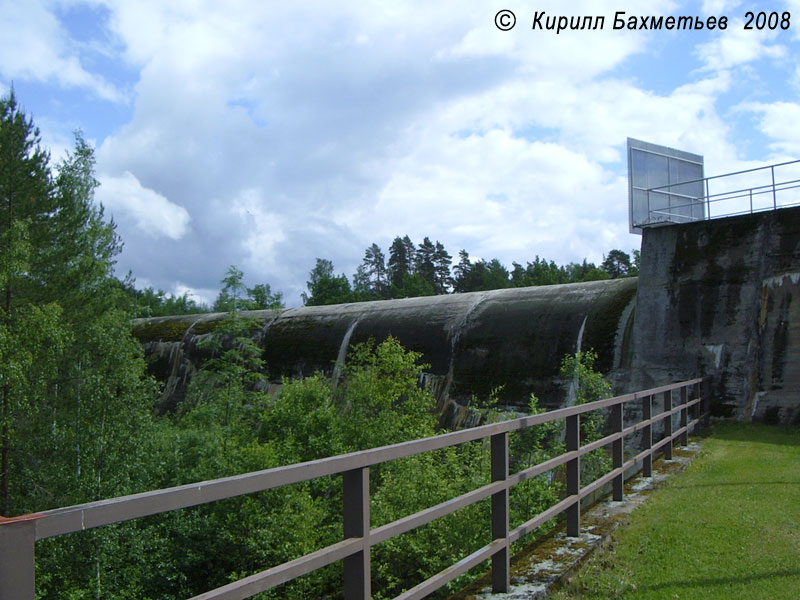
(647, 436)
(17, 572)
(684, 416)
(668, 425)
(355, 492)
(574, 475)
(617, 452)
(501, 570)
(774, 197)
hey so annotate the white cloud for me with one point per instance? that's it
(737, 46)
(295, 131)
(35, 47)
(780, 121)
(152, 213)
(719, 7)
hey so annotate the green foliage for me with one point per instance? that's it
(326, 288)
(75, 408)
(617, 264)
(588, 385)
(77, 414)
(482, 275)
(149, 302)
(236, 296)
(425, 270)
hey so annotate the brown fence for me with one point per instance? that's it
(18, 535)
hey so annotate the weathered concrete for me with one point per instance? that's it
(473, 342)
(716, 298)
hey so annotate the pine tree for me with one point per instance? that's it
(72, 376)
(441, 267)
(424, 262)
(400, 261)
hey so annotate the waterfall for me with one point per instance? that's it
(456, 334)
(571, 390)
(342, 355)
(580, 334)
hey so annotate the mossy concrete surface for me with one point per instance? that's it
(473, 343)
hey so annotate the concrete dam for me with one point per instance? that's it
(712, 298)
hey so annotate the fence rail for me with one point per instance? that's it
(18, 535)
(743, 192)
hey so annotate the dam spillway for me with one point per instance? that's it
(511, 339)
(715, 297)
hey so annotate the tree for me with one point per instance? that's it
(235, 295)
(375, 271)
(480, 276)
(441, 269)
(541, 272)
(461, 271)
(585, 271)
(326, 288)
(424, 262)
(26, 204)
(617, 264)
(637, 261)
(401, 260)
(72, 376)
(150, 302)
(262, 298)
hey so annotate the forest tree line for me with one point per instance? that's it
(79, 417)
(411, 270)
(427, 269)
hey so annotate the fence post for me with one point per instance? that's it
(355, 491)
(17, 563)
(668, 425)
(647, 436)
(774, 197)
(574, 475)
(617, 451)
(501, 570)
(684, 416)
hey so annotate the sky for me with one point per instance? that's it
(267, 134)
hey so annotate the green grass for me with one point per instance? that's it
(728, 527)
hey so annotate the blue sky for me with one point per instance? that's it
(267, 134)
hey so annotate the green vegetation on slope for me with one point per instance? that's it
(727, 528)
(78, 420)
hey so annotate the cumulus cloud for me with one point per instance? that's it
(152, 213)
(36, 47)
(780, 121)
(295, 131)
(739, 46)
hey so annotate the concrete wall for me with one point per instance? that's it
(721, 298)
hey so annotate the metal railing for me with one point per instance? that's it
(753, 190)
(18, 535)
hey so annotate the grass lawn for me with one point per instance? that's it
(728, 527)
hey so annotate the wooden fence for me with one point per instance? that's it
(18, 535)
